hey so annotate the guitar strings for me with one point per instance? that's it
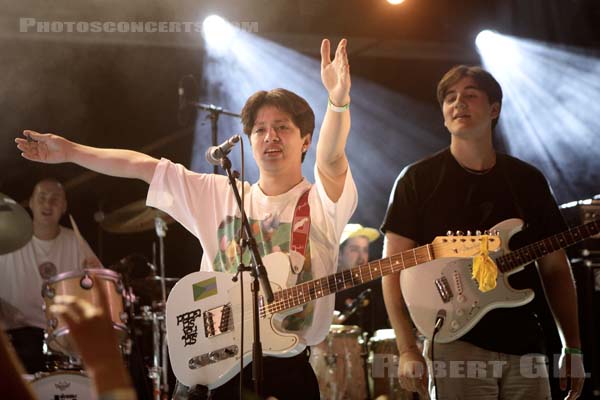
(386, 266)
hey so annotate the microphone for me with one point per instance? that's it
(352, 305)
(181, 102)
(215, 154)
(186, 91)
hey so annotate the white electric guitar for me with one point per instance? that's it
(203, 309)
(445, 288)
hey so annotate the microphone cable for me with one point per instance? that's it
(439, 322)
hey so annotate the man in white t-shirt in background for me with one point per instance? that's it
(280, 125)
(53, 249)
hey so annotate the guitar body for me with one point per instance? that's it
(203, 309)
(204, 325)
(446, 285)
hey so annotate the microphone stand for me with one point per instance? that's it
(259, 273)
(214, 113)
(158, 319)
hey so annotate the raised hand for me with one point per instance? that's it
(91, 328)
(96, 341)
(336, 74)
(43, 147)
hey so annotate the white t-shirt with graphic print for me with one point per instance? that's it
(23, 272)
(205, 205)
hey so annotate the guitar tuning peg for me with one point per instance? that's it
(486, 232)
(478, 232)
(468, 233)
(449, 233)
(496, 232)
(460, 233)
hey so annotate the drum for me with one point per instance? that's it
(63, 385)
(85, 284)
(383, 362)
(339, 364)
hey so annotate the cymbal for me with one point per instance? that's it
(16, 227)
(132, 218)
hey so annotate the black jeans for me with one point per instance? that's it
(284, 378)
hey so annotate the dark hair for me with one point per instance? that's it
(289, 102)
(486, 82)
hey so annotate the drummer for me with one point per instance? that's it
(53, 249)
(354, 245)
(354, 251)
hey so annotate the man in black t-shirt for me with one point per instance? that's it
(470, 186)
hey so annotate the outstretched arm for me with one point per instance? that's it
(332, 163)
(54, 149)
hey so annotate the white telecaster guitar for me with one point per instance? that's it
(444, 287)
(203, 309)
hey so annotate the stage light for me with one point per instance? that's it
(218, 33)
(496, 47)
(394, 2)
(549, 112)
(484, 38)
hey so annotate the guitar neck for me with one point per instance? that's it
(317, 288)
(534, 251)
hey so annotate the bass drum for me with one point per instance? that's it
(63, 385)
(383, 360)
(338, 364)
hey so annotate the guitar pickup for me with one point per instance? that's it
(443, 288)
(213, 357)
(218, 320)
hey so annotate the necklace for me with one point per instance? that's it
(476, 172)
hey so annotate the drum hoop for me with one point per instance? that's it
(382, 335)
(102, 272)
(342, 330)
(56, 334)
(44, 375)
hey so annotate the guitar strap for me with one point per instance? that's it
(300, 231)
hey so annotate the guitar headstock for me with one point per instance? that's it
(464, 246)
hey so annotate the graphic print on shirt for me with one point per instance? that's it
(271, 236)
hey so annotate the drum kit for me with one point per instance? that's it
(350, 365)
(136, 296)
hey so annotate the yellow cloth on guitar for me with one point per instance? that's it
(484, 268)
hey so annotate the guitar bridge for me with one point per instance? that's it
(217, 321)
(443, 288)
(213, 357)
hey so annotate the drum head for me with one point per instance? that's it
(63, 385)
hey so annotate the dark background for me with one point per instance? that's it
(120, 90)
